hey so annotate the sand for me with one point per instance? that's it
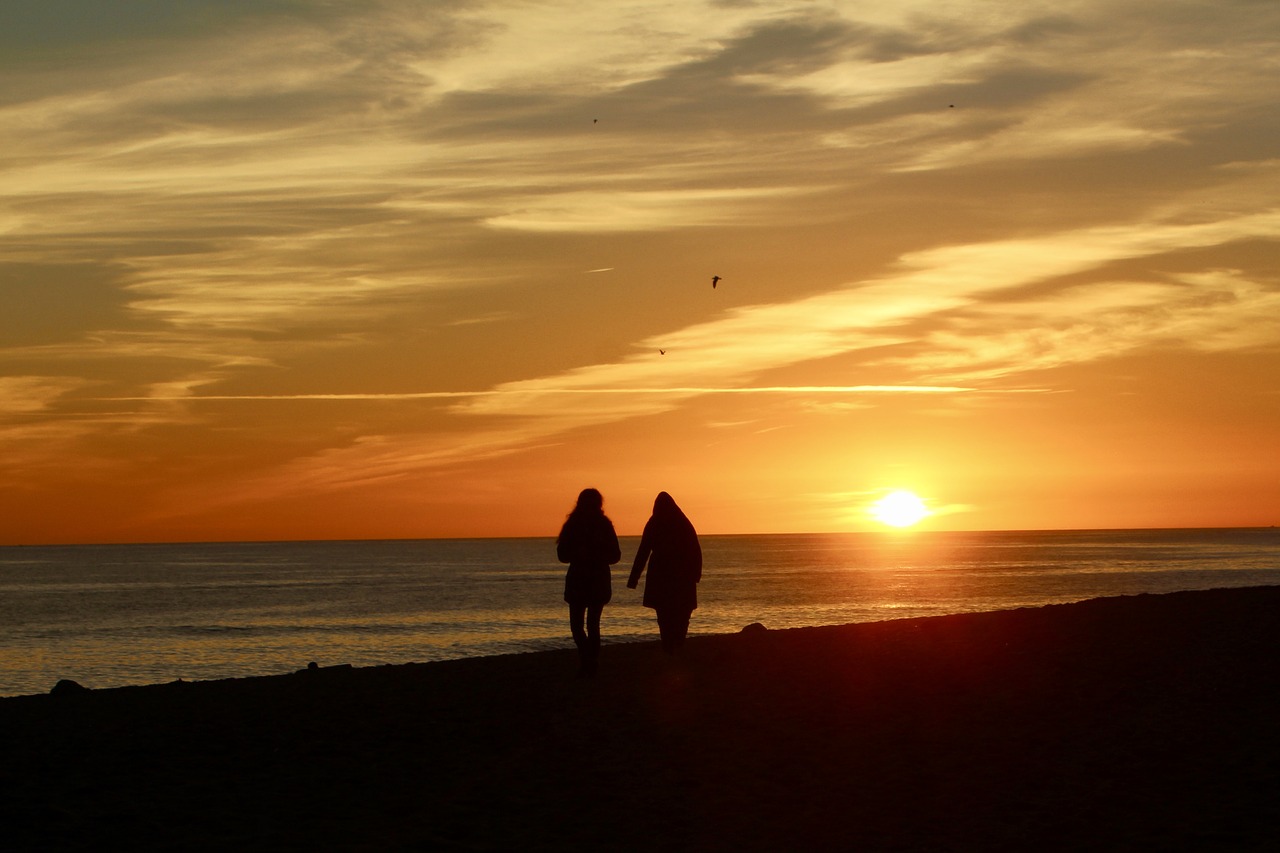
(1141, 722)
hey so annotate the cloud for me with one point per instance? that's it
(185, 393)
(50, 302)
(586, 212)
(227, 146)
(28, 394)
(870, 314)
(220, 202)
(42, 432)
(723, 356)
(1213, 311)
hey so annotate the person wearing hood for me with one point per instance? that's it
(589, 544)
(669, 545)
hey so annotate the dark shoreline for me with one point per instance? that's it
(1147, 722)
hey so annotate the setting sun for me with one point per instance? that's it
(900, 509)
(436, 316)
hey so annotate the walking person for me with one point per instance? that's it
(670, 547)
(588, 543)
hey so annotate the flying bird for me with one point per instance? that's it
(662, 352)
(715, 279)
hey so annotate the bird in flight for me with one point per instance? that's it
(662, 352)
(715, 279)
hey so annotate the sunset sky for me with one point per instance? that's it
(282, 269)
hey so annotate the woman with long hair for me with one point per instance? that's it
(589, 545)
(670, 547)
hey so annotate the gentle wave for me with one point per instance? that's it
(130, 614)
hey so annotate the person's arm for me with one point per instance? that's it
(642, 557)
(564, 545)
(616, 554)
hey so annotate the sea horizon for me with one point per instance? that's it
(131, 613)
(889, 532)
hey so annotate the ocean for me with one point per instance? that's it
(116, 615)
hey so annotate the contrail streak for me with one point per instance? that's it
(683, 389)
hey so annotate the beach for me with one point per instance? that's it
(1147, 722)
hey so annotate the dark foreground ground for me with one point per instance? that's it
(1141, 723)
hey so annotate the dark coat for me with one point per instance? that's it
(670, 547)
(589, 545)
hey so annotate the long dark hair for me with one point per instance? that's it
(590, 502)
(590, 505)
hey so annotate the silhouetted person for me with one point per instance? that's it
(589, 545)
(670, 546)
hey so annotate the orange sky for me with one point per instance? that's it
(284, 269)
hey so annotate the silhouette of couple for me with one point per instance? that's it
(589, 545)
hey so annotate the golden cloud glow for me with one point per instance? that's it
(255, 252)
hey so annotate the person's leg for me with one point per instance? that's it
(576, 614)
(594, 612)
(667, 631)
(680, 626)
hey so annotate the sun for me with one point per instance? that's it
(900, 509)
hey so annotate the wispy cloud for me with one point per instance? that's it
(588, 212)
(209, 204)
(1216, 311)
(804, 390)
(871, 314)
(26, 394)
(1097, 321)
